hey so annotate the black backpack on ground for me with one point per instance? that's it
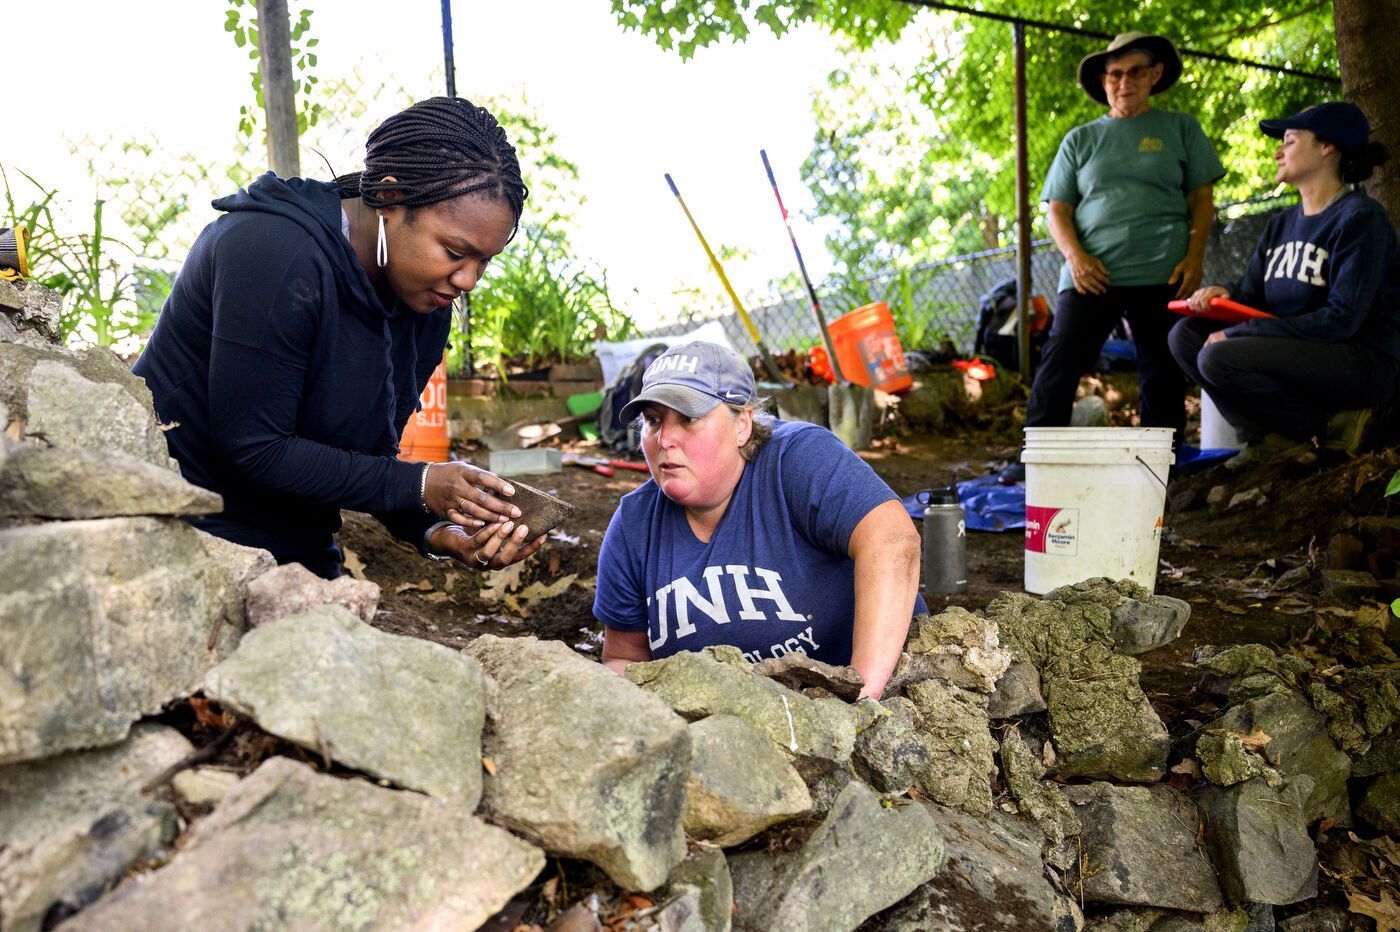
(612, 433)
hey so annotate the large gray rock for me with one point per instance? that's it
(400, 708)
(862, 858)
(1143, 625)
(993, 880)
(67, 483)
(956, 646)
(740, 783)
(1102, 722)
(1380, 804)
(1259, 841)
(289, 848)
(696, 685)
(797, 671)
(291, 589)
(1298, 744)
(585, 762)
(707, 894)
(74, 823)
(102, 622)
(89, 400)
(1139, 848)
(956, 732)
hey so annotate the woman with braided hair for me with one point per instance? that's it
(304, 325)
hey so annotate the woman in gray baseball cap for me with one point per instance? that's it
(1329, 270)
(768, 536)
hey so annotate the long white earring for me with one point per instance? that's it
(381, 251)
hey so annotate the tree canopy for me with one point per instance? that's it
(914, 152)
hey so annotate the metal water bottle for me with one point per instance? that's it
(945, 541)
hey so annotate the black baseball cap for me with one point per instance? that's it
(1338, 122)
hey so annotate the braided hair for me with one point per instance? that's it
(438, 149)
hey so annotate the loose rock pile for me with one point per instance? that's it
(1014, 777)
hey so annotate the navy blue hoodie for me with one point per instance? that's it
(286, 379)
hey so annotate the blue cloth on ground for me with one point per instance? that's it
(989, 505)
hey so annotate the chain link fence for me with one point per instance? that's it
(939, 300)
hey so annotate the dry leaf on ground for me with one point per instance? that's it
(1385, 911)
(353, 564)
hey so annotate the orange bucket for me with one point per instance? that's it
(868, 349)
(425, 435)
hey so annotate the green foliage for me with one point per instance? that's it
(102, 298)
(914, 154)
(1393, 486)
(689, 25)
(240, 20)
(538, 302)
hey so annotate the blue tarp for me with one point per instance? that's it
(990, 506)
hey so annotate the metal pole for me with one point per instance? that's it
(449, 67)
(279, 98)
(1023, 210)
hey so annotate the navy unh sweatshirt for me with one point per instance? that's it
(1330, 277)
(286, 380)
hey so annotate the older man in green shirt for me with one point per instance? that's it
(1130, 209)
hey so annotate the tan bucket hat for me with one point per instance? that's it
(1092, 67)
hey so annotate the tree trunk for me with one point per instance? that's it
(1370, 60)
(279, 97)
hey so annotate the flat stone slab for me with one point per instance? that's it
(862, 858)
(74, 823)
(400, 708)
(740, 783)
(585, 763)
(105, 621)
(289, 848)
(1139, 848)
(85, 399)
(797, 671)
(697, 685)
(539, 511)
(50, 482)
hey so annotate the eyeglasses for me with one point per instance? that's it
(1135, 73)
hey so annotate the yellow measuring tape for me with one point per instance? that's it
(14, 261)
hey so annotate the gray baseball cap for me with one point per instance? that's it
(693, 378)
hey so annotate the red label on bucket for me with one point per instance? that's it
(1052, 530)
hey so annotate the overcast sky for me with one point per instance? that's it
(625, 111)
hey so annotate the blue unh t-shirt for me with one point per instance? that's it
(775, 576)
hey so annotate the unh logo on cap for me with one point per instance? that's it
(676, 363)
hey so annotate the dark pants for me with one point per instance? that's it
(1282, 385)
(1082, 323)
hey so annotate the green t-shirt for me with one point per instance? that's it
(1127, 178)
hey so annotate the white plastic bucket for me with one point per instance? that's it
(1216, 432)
(1094, 501)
